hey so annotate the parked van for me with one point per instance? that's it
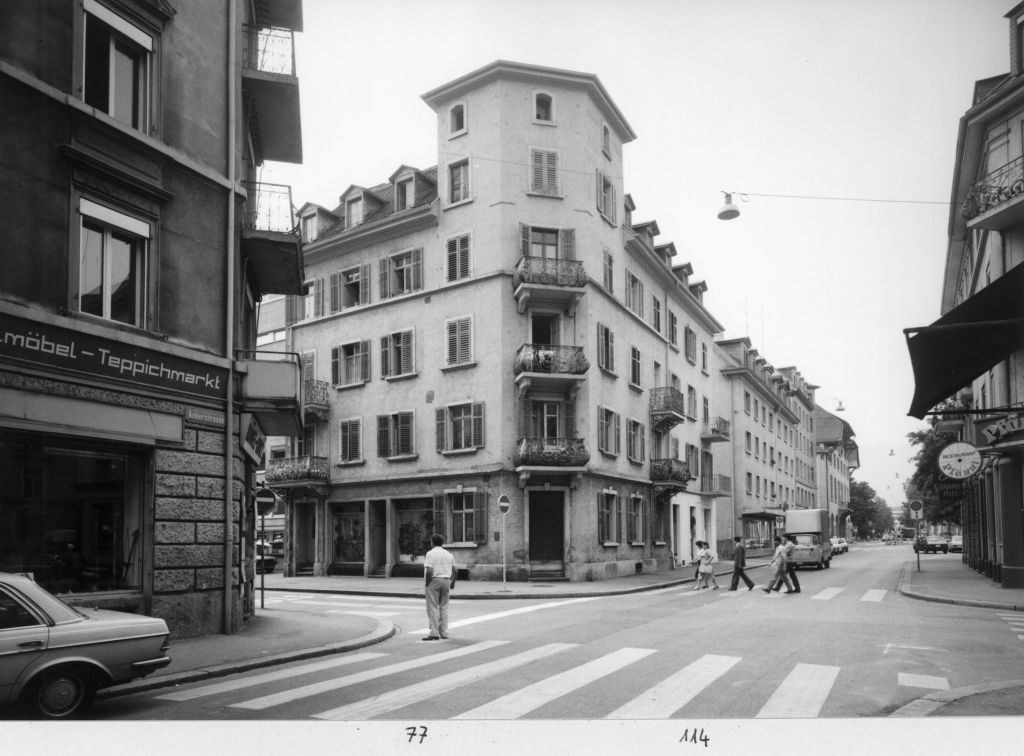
(813, 537)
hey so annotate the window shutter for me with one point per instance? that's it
(364, 359)
(551, 172)
(524, 240)
(291, 309)
(385, 278)
(480, 517)
(600, 193)
(383, 436)
(405, 433)
(452, 271)
(617, 430)
(465, 333)
(537, 170)
(385, 356)
(640, 304)
(602, 347)
(408, 364)
(335, 366)
(611, 350)
(439, 518)
(364, 284)
(318, 297)
(567, 243)
(602, 429)
(602, 518)
(464, 256)
(417, 268)
(453, 339)
(478, 424)
(613, 210)
(335, 292)
(642, 433)
(308, 366)
(442, 425)
(570, 420)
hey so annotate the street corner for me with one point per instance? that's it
(985, 699)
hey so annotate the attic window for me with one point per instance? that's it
(309, 228)
(353, 212)
(457, 120)
(544, 108)
(404, 195)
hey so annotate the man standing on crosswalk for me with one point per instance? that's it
(439, 573)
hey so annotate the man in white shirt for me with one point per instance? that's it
(439, 573)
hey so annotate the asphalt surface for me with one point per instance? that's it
(278, 637)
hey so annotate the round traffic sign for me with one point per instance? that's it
(504, 504)
(915, 505)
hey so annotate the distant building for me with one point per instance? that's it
(837, 456)
(138, 243)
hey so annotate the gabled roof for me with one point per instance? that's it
(404, 168)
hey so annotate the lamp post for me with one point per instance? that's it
(504, 505)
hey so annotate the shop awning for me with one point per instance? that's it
(966, 341)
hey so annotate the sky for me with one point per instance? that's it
(837, 120)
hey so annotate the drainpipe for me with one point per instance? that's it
(229, 326)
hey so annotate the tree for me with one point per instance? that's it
(926, 477)
(868, 512)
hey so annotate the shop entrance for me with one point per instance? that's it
(547, 533)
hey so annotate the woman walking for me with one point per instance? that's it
(705, 572)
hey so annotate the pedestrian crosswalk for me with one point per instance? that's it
(368, 685)
(1015, 621)
(873, 595)
(367, 606)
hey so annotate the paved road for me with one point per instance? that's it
(847, 646)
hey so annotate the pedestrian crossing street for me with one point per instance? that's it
(351, 682)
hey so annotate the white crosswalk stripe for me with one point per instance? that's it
(875, 594)
(396, 699)
(828, 593)
(275, 699)
(511, 613)
(521, 702)
(802, 694)
(909, 680)
(671, 694)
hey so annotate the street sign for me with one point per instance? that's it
(504, 504)
(265, 501)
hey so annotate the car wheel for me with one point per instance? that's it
(60, 693)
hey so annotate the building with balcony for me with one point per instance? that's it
(496, 324)
(837, 456)
(969, 363)
(133, 405)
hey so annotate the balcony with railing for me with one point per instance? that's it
(315, 406)
(549, 366)
(715, 430)
(270, 390)
(294, 471)
(997, 201)
(550, 452)
(268, 76)
(270, 239)
(715, 485)
(669, 475)
(668, 407)
(548, 282)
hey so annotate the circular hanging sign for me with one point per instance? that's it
(959, 460)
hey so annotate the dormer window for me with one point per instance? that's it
(457, 124)
(353, 212)
(405, 196)
(543, 108)
(309, 228)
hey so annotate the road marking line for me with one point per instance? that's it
(1020, 637)
(828, 593)
(673, 693)
(362, 612)
(922, 681)
(266, 677)
(889, 646)
(875, 594)
(265, 702)
(396, 699)
(522, 702)
(510, 613)
(801, 694)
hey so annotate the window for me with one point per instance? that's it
(690, 347)
(305, 445)
(460, 341)
(704, 356)
(309, 228)
(353, 212)
(607, 517)
(405, 195)
(746, 402)
(634, 294)
(606, 198)
(605, 348)
(635, 451)
(461, 517)
(691, 402)
(656, 314)
(547, 243)
(458, 182)
(460, 427)
(118, 59)
(395, 435)
(606, 141)
(608, 425)
(396, 354)
(673, 329)
(462, 510)
(551, 420)
(350, 449)
(750, 483)
(543, 242)
(350, 363)
(706, 416)
(457, 124)
(747, 442)
(634, 367)
(661, 520)
(544, 108)
(112, 266)
(401, 273)
(609, 272)
(544, 172)
(693, 460)
(350, 288)
(635, 519)
(457, 260)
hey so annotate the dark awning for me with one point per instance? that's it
(966, 341)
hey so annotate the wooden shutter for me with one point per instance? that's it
(417, 269)
(318, 297)
(385, 278)
(385, 356)
(442, 425)
(404, 432)
(408, 363)
(610, 357)
(452, 265)
(384, 436)
(453, 342)
(439, 517)
(524, 240)
(335, 366)
(364, 284)
(480, 517)
(602, 518)
(537, 170)
(617, 431)
(364, 359)
(551, 172)
(335, 292)
(602, 429)
(569, 428)
(308, 366)
(291, 309)
(478, 424)
(567, 244)
(464, 256)
(600, 193)
(602, 346)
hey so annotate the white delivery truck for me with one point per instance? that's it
(813, 537)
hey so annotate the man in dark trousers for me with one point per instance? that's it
(739, 561)
(790, 567)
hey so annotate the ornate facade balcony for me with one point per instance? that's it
(294, 471)
(549, 366)
(669, 476)
(715, 485)
(668, 407)
(548, 282)
(314, 401)
(997, 201)
(550, 452)
(716, 430)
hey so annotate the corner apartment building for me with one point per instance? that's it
(770, 456)
(139, 242)
(498, 325)
(837, 456)
(969, 364)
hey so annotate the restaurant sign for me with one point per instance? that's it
(83, 353)
(1002, 429)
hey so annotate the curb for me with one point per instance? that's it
(928, 705)
(382, 632)
(906, 591)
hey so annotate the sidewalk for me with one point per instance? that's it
(274, 637)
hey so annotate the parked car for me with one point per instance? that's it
(931, 544)
(54, 657)
(956, 543)
(265, 559)
(837, 545)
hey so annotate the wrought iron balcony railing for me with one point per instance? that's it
(670, 471)
(297, 469)
(269, 50)
(314, 399)
(716, 485)
(1002, 185)
(716, 430)
(268, 207)
(550, 358)
(667, 399)
(551, 452)
(549, 271)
